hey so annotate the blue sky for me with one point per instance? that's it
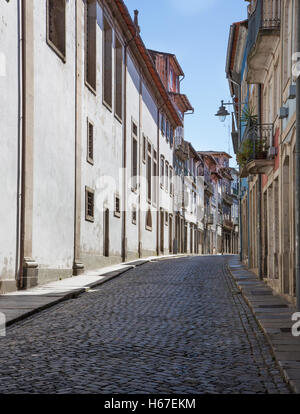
(196, 31)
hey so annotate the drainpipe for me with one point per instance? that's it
(124, 154)
(297, 172)
(140, 162)
(20, 114)
(259, 202)
(248, 223)
(157, 185)
(240, 181)
(23, 156)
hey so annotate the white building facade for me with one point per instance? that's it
(81, 141)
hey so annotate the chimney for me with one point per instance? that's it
(136, 21)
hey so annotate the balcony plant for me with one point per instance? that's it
(261, 149)
(249, 118)
(245, 153)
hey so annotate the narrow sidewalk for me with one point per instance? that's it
(274, 316)
(24, 303)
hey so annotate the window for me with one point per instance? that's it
(167, 131)
(90, 43)
(117, 212)
(134, 159)
(171, 136)
(56, 26)
(90, 142)
(133, 215)
(171, 181)
(154, 177)
(166, 218)
(163, 126)
(287, 41)
(107, 63)
(162, 171)
(89, 204)
(149, 220)
(149, 173)
(144, 148)
(167, 176)
(118, 79)
(106, 233)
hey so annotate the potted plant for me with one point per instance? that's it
(246, 152)
(249, 118)
(261, 149)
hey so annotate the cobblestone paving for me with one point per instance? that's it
(177, 326)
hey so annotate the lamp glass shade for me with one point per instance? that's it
(222, 113)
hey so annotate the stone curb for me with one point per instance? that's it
(288, 365)
(72, 294)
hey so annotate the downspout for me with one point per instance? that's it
(23, 132)
(20, 120)
(78, 267)
(140, 158)
(297, 173)
(259, 201)
(124, 254)
(158, 184)
(240, 181)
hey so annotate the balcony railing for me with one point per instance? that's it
(209, 188)
(235, 191)
(236, 221)
(210, 219)
(257, 149)
(181, 147)
(228, 224)
(266, 16)
(227, 198)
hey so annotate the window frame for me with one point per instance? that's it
(148, 228)
(149, 175)
(88, 217)
(162, 171)
(88, 158)
(50, 43)
(92, 88)
(117, 213)
(104, 101)
(134, 137)
(134, 211)
(119, 117)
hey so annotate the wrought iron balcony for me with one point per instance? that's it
(263, 33)
(236, 221)
(257, 153)
(208, 188)
(228, 224)
(181, 147)
(227, 198)
(235, 191)
(210, 219)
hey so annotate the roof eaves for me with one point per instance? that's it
(148, 60)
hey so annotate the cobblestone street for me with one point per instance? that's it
(174, 326)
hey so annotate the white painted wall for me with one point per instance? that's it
(149, 129)
(105, 176)
(133, 114)
(54, 146)
(8, 137)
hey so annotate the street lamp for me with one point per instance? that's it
(222, 112)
